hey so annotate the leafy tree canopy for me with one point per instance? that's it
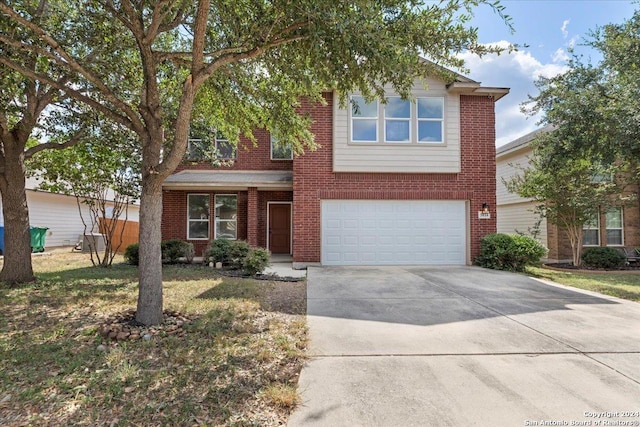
(594, 107)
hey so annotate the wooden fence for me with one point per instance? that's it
(130, 234)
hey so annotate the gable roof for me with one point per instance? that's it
(465, 86)
(521, 142)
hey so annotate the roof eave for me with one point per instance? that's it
(475, 89)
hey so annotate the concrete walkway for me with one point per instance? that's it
(464, 346)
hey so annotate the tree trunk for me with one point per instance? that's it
(149, 311)
(17, 267)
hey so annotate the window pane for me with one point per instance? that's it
(365, 130)
(590, 238)
(359, 108)
(397, 108)
(591, 223)
(279, 151)
(226, 230)
(614, 218)
(430, 131)
(198, 229)
(430, 108)
(226, 150)
(226, 207)
(198, 206)
(614, 237)
(397, 130)
(197, 148)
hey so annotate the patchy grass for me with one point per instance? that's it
(237, 365)
(619, 285)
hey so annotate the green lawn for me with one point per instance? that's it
(237, 364)
(621, 285)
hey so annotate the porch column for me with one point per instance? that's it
(252, 216)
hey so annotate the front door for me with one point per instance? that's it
(280, 228)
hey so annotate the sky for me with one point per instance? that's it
(548, 28)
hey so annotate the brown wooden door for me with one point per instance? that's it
(280, 228)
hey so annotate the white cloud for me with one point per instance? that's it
(565, 24)
(518, 71)
(560, 55)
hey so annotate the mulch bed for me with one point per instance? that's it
(632, 268)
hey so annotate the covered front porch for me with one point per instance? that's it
(255, 206)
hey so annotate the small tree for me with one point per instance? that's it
(101, 173)
(566, 189)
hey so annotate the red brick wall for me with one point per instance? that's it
(174, 217)
(250, 156)
(314, 180)
(560, 248)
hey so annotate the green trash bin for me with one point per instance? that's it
(38, 235)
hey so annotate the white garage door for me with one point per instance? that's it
(393, 232)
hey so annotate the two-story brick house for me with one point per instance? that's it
(395, 183)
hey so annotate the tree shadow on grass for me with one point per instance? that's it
(283, 297)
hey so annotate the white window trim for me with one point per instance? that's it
(414, 121)
(215, 217)
(290, 224)
(271, 140)
(598, 234)
(189, 220)
(621, 228)
(235, 149)
(418, 120)
(352, 118)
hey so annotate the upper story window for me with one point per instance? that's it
(430, 120)
(399, 120)
(200, 147)
(364, 120)
(280, 151)
(196, 148)
(224, 149)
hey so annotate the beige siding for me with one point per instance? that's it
(381, 157)
(520, 218)
(507, 166)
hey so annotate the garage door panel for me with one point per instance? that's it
(393, 232)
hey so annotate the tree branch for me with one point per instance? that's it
(122, 119)
(54, 145)
(67, 61)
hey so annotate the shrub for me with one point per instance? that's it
(256, 260)
(132, 254)
(603, 258)
(217, 251)
(238, 251)
(173, 250)
(509, 252)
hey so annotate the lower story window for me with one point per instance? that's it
(198, 216)
(591, 232)
(226, 216)
(614, 226)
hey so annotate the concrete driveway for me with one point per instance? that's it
(461, 346)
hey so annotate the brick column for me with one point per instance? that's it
(252, 216)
